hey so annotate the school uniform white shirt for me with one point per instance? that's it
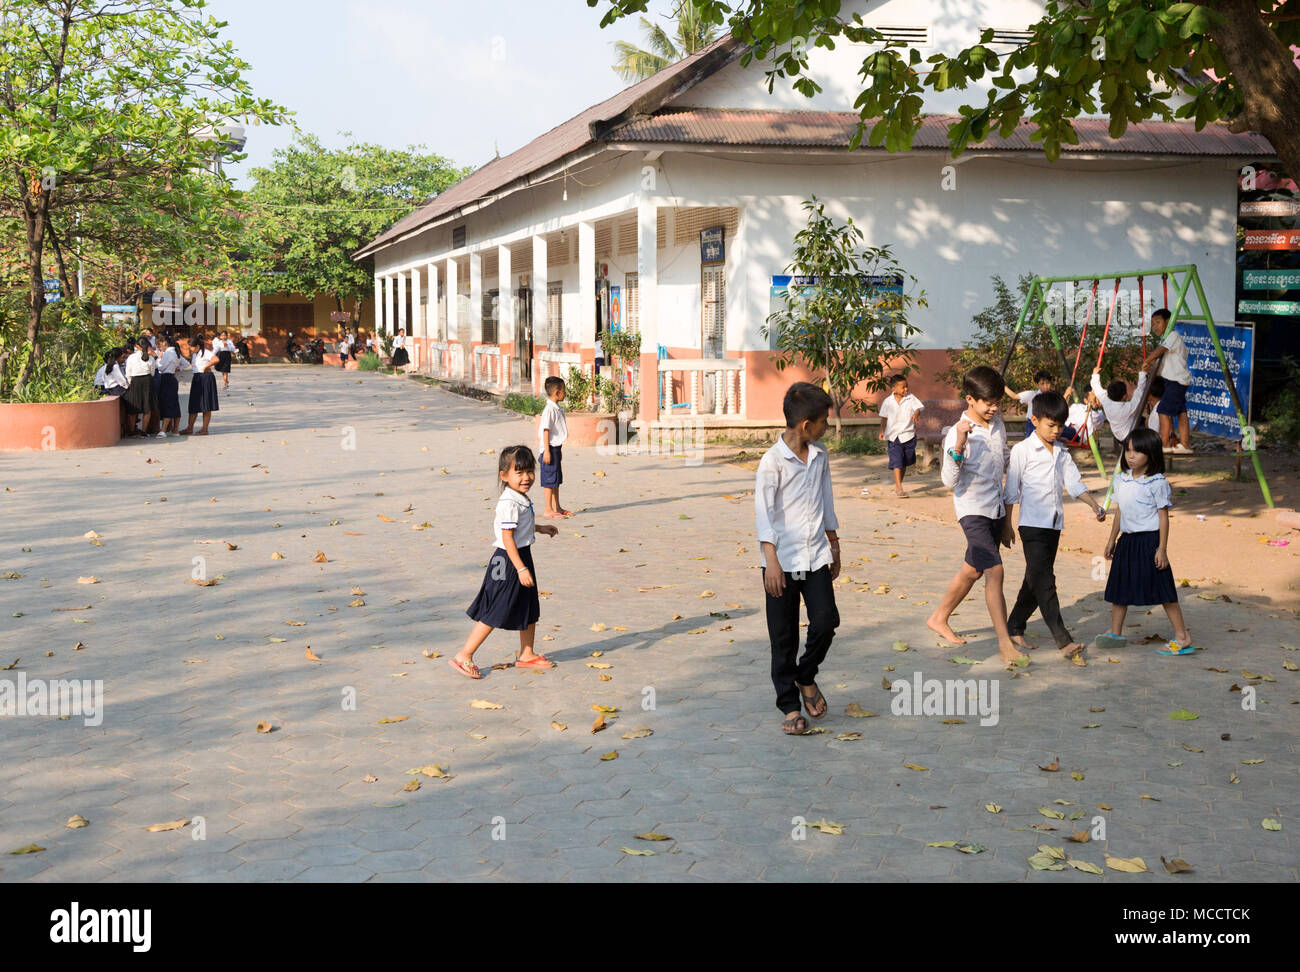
(1026, 398)
(514, 512)
(201, 358)
(1036, 474)
(136, 367)
(399, 342)
(170, 362)
(114, 377)
(1139, 500)
(1121, 415)
(552, 421)
(1153, 420)
(794, 506)
(1084, 421)
(899, 417)
(1173, 363)
(976, 483)
(99, 376)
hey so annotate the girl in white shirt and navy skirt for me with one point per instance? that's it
(400, 357)
(170, 363)
(224, 347)
(508, 596)
(203, 386)
(139, 395)
(1139, 536)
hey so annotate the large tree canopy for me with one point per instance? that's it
(314, 207)
(1121, 58)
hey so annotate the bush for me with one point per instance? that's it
(1283, 412)
(72, 349)
(857, 445)
(524, 404)
(368, 362)
(578, 389)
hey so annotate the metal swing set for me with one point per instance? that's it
(1187, 285)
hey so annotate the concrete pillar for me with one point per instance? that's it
(431, 317)
(585, 332)
(389, 315)
(647, 267)
(506, 313)
(415, 346)
(453, 317)
(379, 302)
(401, 302)
(540, 319)
(476, 298)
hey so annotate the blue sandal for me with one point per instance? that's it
(1109, 640)
(1174, 648)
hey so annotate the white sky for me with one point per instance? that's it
(453, 76)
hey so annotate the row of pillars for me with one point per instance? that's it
(391, 289)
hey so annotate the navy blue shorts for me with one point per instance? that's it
(552, 475)
(902, 454)
(1174, 401)
(983, 535)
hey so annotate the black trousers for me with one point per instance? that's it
(1038, 590)
(783, 630)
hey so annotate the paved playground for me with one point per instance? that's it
(657, 575)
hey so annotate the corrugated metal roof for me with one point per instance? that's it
(560, 141)
(826, 129)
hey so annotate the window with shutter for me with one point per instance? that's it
(688, 222)
(631, 303)
(491, 315)
(557, 250)
(627, 237)
(604, 237)
(661, 228)
(554, 318)
(1004, 37)
(911, 35)
(713, 307)
(457, 237)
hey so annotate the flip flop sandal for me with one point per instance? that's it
(795, 726)
(1174, 648)
(469, 671)
(541, 661)
(814, 702)
(1110, 640)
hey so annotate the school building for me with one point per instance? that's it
(671, 209)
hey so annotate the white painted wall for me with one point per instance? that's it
(953, 27)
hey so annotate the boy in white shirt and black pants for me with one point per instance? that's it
(898, 428)
(797, 528)
(1039, 469)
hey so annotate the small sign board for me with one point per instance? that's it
(713, 245)
(1209, 406)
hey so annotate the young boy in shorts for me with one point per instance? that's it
(898, 428)
(552, 430)
(974, 463)
(795, 513)
(1172, 356)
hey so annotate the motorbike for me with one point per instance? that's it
(315, 351)
(243, 355)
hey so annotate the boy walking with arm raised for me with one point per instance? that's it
(797, 528)
(974, 463)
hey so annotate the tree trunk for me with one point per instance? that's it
(65, 283)
(34, 223)
(1265, 71)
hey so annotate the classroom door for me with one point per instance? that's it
(713, 310)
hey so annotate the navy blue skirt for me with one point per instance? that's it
(1134, 578)
(203, 393)
(502, 601)
(169, 402)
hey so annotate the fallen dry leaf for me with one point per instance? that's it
(857, 712)
(29, 849)
(311, 655)
(828, 826)
(640, 732)
(264, 727)
(596, 726)
(204, 583)
(76, 822)
(599, 665)
(653, 836)
(320, 558)
(388, 720)
(170, 825)
(1175, 865)
(606, 757)
(598, 626)
(914, 766)
(637, 853)
(484, 704)
(370, 778)
(411, 787)
(560, 726)
(1053, 766)
(1130, 865)
(88, 580)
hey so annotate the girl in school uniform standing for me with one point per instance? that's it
(224, 348)
(508, 596)
(1138, 545)
(203, 386)
(170, 364)
(139, 396)
(112, 379)
(400, 357)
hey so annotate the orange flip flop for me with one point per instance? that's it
(540, 661)
(469, 671)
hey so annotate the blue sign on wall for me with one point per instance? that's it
(712, 245)
(1209, 407)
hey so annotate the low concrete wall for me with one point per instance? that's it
(61, 425)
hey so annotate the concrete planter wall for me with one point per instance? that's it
(60, 426)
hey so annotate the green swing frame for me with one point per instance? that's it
(1187, 284)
